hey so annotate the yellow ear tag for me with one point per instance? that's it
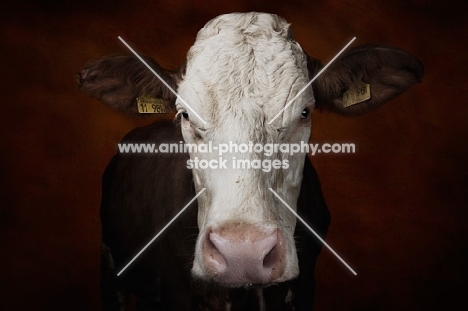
(356, 94)
(148, 104)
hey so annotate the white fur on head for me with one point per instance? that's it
(241, 71)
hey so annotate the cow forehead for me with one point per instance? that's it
(246, 66)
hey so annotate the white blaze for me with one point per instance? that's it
(242, 70)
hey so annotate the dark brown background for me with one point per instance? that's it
(398, 205)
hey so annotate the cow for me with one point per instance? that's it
(245, 80)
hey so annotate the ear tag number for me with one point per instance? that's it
(356, 94)
(147, 104)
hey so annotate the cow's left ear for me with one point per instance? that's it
(364, 78)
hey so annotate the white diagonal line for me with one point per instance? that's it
(310, 82)
(162, 80)
(161, 231)
(312, 230)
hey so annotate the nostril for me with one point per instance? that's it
(212, 253)
(271, 259)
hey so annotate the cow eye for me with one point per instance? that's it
(305, 113)
(185, 115)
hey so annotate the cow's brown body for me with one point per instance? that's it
(137, 204)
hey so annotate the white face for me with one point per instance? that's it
(242, 70)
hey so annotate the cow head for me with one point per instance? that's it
(240, 73)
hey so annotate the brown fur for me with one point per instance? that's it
(388, 70)
(142, 192)
(119, 80)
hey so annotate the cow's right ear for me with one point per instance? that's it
(119, 81)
